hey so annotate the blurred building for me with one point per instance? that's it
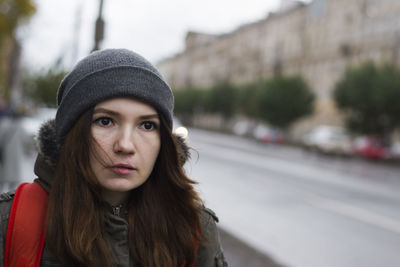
(318, 40)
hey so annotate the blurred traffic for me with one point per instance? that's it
(336, 140)
(324, 139)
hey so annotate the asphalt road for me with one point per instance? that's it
(297, 208)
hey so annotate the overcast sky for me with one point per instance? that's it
(154, 28)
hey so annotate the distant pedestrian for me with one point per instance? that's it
(4, 110)
(117, 191)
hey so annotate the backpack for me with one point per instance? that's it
(26, 227)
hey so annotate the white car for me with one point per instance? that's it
(328, 139)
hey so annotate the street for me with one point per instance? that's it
(299, 208)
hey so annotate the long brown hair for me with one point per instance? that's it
(163, 213)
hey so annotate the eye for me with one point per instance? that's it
(148, 125)
(104, 121)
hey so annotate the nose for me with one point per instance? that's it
(124, 142)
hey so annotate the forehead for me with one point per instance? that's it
(125, 105)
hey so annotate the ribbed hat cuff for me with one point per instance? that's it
(132, 82)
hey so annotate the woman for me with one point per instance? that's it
(118, 194)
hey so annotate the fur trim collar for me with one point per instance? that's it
(48, 146)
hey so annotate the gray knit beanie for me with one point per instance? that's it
(108, 74)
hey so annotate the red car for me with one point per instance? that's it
(370, 147)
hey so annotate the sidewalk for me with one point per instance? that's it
(239, 254)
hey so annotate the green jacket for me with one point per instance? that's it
(209, 255)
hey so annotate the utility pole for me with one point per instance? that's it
(77, 33)
(99, 31)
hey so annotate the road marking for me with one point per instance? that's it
(355, 213)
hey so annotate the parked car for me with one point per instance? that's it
(241, 128)
(370, 147)
(268, 135)
(394, 151)
(328, 139)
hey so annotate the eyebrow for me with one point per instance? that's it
(113, 113)
(150, 116)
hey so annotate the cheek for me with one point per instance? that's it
(152, 150)
(101, 147)
(155, 150)
(102, 138)
(96, 157)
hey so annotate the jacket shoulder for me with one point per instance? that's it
(210, 252)
(208, 222)
(6, 200)
(209, 213)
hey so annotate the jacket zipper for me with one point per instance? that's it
(117, 210)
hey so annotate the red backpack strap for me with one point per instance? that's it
(196, 246)
(26, 227)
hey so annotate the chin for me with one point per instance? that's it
(121, 186)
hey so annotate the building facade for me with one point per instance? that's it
(318, 41)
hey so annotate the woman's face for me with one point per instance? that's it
(127, 143)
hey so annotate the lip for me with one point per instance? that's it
(123, 169)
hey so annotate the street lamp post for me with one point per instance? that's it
(99, 31)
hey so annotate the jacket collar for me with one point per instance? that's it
(47, 158)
